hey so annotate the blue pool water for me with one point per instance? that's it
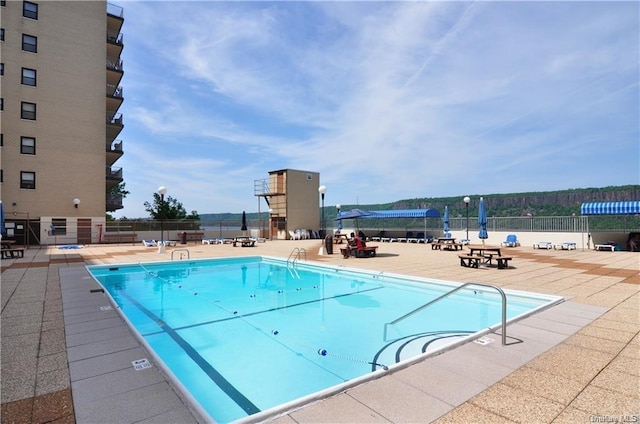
(247, 335)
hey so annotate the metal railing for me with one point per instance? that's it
(447, 294)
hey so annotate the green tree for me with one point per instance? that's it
(169, 209)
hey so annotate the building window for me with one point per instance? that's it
(29, 43)
(28, 180)
(2, 68)
(27, 145)
(3, 3)
(1, 104)
(1, 34)
(29, 77)
(58, 227)
(1, 140)
(30, 10)
(28, 111)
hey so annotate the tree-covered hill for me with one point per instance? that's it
(547, 203)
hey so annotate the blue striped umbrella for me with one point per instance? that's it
(482, 221)
(446, 221)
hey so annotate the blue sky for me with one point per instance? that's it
(386, 100)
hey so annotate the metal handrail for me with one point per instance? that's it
(298, 251)
(181, 250)
(504, 307)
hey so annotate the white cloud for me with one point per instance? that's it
(384, 99)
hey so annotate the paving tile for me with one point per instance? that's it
(469, 413)
(607, 334)
(626, 364)
(180, 415)
(440, 383)
(603, 402)
(52, 381)
(338, 408)
(105, 363)
(517, 405)
(622, 382)
(595, 343)
(17, 411)
(135, 405)
(101, 348)
(102, 334)
(401, 403)
(540, 383)
(572, 362)
(112, 384)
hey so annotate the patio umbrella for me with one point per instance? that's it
(353, 214)
(446, 220)
(1, 218)
(244, 221)
(482, 221)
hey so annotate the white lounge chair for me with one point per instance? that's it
(149, 243)
(543, 245)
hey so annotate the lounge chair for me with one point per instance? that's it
(211, 241)
(149, 243)
(379, 236)
(420, 238)
(294, 235)
(408, 236)
(567, 245)
(543, 245)
(511, 241)
(359, 250)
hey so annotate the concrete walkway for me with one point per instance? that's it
(66, 356)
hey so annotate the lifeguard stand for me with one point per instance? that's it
(292, 200)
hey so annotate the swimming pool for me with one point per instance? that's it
(248, 337)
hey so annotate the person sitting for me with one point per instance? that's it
(634, 242)
(352, 239)
(362, 236)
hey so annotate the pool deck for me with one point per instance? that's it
(67, 356)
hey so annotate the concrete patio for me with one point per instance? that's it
(66, 356)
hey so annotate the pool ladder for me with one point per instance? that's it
(447, 294)
(295, 256)
(181, 250)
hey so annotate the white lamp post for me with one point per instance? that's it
(466, 201)
(322, 190)
(162, 190)
(270, 224)
(76, 202)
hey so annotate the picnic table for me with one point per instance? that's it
(9, 251)
(446, 243)
(480, 253)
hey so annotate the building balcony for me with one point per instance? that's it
(114, 176)
(114, 99)
(114, 126)
(114, 202)
(114, 151)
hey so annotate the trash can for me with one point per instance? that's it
(183, 237)
(328, 244)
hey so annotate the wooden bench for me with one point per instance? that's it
(503, 261)
(470, 261)
(13, 252)
(119, 237)
(452, 246)
(611, 247)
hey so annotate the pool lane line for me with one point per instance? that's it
(264, 311)
(213, 374)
